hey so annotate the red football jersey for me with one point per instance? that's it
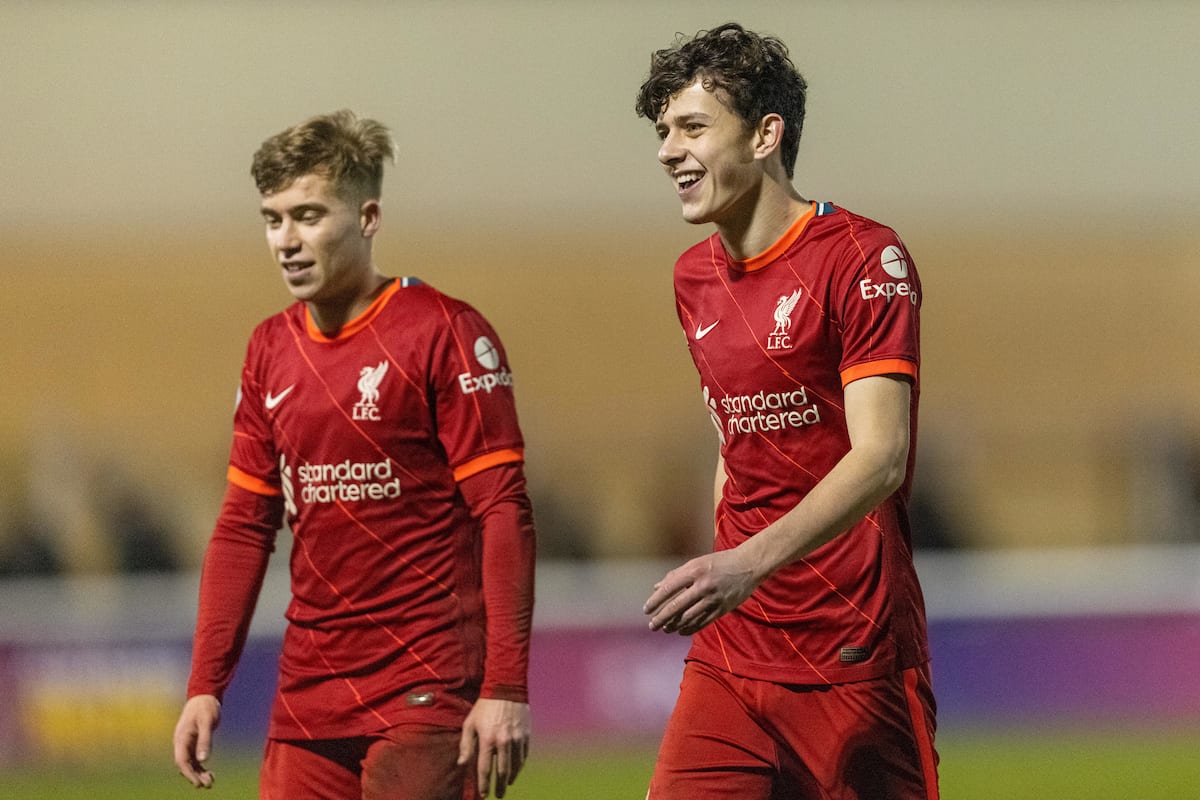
(775, 339)
(365, 436)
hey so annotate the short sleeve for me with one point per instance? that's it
(476, 410)
(880, 313)
(253, 460)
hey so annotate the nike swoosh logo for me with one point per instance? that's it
(273, 400)
(702, 332)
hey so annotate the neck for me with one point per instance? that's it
(768, 218)
(331, 317)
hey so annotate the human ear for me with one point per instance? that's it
(369, 216)
(768, 135)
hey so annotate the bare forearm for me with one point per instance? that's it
(851, 490)
(877, 421)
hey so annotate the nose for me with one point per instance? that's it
(283, 236)
(670, 151)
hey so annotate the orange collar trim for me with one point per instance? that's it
(358, 323)
(776, 250)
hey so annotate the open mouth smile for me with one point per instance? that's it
(686, 180)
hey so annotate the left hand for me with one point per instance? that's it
(496, 733)
(700, 591)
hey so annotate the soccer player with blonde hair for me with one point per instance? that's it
(376, 417)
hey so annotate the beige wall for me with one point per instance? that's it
(1038, 159)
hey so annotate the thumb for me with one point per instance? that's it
(466, 743)
(203, 742)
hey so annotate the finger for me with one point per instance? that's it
(655, 601)
(504, 774)
(192, 776)
(204, 738)
(466, 746)
(520, 752)
(664, 590)
(700, 614)
(663, 604)
(669, 615)
(203, 743)
(196, 775)
(483, 771)
(184, 759)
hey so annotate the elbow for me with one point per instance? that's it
(892, 480)
(893, 469)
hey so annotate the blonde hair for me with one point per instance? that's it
(347, 151)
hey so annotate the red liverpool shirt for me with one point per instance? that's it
(775, 339)
(363, 438)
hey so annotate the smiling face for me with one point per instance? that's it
(710, 155)
(322, 243)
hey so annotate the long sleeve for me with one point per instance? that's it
(498, 499)
(234, 566)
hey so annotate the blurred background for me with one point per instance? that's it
(1040, 161)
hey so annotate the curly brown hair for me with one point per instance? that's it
(344, 149)
(753, 72)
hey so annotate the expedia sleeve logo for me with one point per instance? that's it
(895, 265)
(497, 374)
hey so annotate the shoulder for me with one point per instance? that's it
(416, 305)
(414, 293)
(850, 229)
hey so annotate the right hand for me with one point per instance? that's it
(697, 593)
(193, 738)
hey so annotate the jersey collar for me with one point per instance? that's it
(358, 323)
(776, 250)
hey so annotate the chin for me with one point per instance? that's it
(303, 292)
(696, 217)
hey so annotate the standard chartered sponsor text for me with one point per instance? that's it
(348, 481)
(769, 411)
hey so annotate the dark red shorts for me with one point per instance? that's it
(409, 762)
(732, 737)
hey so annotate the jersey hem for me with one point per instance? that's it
(807, 676)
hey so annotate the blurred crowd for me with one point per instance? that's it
(68, 514)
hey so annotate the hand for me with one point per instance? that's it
(193, 738)
(497, 733)
(697, 593)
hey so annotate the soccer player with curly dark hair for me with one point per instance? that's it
(808, 674)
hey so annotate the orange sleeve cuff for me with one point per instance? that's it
(477, 465)
(892, 366)
(251, 483)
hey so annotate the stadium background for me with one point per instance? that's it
(1040, 161)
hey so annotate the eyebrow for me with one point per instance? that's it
(294, 211)
(685, 118)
